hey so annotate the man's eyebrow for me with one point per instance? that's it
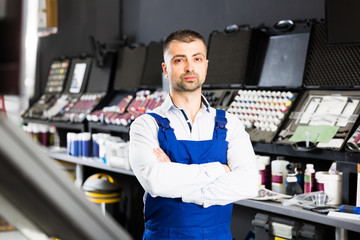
(178, 55)
(183, 55)
(199, 53)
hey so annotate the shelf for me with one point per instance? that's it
(321, 154)
(277, 208)
(299, 213)
(60, 154)
(67, 125)
(108, 127)
(36, 120)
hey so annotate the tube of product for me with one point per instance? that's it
(349, 209)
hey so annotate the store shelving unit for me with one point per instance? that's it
(268, 206)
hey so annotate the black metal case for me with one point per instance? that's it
(333, 70)
(137, 75)
(228, 57)
(274, 80)
(332, 108)
(76, 84)
(278, 55)
(56, 80)
(97, 87)
(330, 66)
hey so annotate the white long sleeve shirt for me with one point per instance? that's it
(203, 184)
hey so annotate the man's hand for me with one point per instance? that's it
(160, 155)
(227, 169)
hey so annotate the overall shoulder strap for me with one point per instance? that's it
(164, 127)
(220, 125)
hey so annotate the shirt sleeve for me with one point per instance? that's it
(164, 179)
(241, 182)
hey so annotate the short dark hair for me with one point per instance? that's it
(184, 35)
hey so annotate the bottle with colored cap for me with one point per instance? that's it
(309, 179)
(349, 209)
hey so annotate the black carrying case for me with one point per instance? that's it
(70, 82)
(56, 80)
(329, 65)
(228, 57)
(137, 68)
(277, 60)
(278, 55)
(228, 53)
(331, 71)
(128, 74)
(273, 227)
(152, 73)
(315, 108)
(129, 68)
(73, 88)
(96, 89)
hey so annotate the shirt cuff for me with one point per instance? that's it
(214, 169)
(195, 197)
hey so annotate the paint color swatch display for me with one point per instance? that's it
(262, 112)
(57, 75)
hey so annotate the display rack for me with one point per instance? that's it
(268, 206)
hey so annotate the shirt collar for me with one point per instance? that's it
(168, 104)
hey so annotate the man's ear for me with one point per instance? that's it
(163, 65)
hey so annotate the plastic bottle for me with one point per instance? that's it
(263, 163)
(261, 177)
(52, 132)
(35, 132)
(85, 144)
(309, 178)
(75, 145)
(292, 187)
(278, 175)
(300, 175)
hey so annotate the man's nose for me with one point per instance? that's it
(189, 67)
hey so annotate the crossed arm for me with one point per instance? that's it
(162, 157)
(204, 184)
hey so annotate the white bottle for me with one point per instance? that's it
(261, 176)
(278, 175)
(309, 178)
(263, 163)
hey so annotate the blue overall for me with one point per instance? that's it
(170, 218)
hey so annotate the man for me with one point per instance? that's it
(192, 160)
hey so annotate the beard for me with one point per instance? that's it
(184, 86)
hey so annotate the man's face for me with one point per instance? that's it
(185, 65)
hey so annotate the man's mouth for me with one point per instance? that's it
(190, 78)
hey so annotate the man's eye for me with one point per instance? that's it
(177, 60)
(198, 59)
